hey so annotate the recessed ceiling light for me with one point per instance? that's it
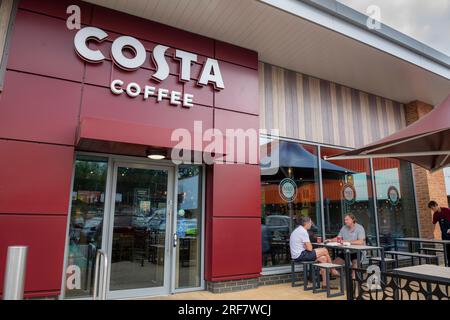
(156, 154)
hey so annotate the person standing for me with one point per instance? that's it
(442, 215)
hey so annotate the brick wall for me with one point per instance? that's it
(428, 186)
(246, 284)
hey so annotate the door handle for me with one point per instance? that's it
(175, 240)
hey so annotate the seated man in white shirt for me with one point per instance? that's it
(302, 250)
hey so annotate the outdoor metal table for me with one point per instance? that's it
(444, 244)
(426, 272)
(347, 251)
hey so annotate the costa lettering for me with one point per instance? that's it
(210, 73)
(133, 90)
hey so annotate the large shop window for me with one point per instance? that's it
(189, 226)
(291, 192)
(86, 221)
(347, 188)
(395, 200)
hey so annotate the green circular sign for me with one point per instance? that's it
(288, 190)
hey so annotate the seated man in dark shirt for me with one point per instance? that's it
(442, 215)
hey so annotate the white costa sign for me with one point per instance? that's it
(210, 73)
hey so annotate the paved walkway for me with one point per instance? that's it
(271, 292)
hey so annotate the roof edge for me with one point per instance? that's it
(359, 19)
(350, 23)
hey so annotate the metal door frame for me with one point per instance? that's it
(165, 164)
(109, 229)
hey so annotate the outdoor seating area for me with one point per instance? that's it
(418, 267)
(423, 282)
(401, 274)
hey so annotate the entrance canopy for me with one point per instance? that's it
(121, 137)
(425, 142)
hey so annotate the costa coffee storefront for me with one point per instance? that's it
(96, 122)
(83, 111)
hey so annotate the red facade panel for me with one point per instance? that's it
(152, 31)
(101, 103)
(38, 108)
(99, 74)
(45, 238)
(57, 8)
(119, 137)
(34, 178)
(44, 46)
(242, 132)
(241, 89)
(236, 55)
(39, 104)
(236, 249)
(225, 119)
(236, 190)
(202, 95)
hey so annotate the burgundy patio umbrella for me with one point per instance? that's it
(426, 142)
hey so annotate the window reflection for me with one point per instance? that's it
(299, 164)
(347, 188)
(139, 232)
(86, 222)
(189, 218)
(395, 200)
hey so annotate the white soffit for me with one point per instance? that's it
(293, 35)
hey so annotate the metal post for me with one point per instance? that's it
(446, 261)
(348, 275)
(374, 200)
(321, 203)
(15, 273)
(419, 227)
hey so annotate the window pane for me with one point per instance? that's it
(299, 164)
(86, 223)
(395, 200)
(347, 188)
(447, 182)
(139, 231)
(189, 219)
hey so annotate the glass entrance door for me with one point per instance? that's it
(147, 217)
(140, 229)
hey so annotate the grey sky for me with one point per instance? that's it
(427, 21)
